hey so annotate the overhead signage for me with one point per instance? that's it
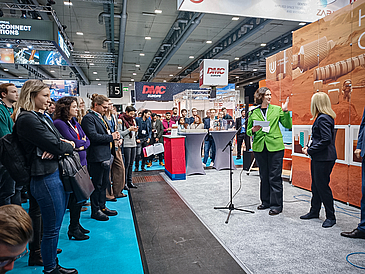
(63, 45)
(295, 10)
(115, 90)
(12, 28)
(213, 73)
(148, 91)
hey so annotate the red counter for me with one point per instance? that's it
(175, 166)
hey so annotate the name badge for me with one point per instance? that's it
(144, 132)
(266, 129)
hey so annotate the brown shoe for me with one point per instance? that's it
(162, 164)
(356, 233)
(83, 209)
(149, 164)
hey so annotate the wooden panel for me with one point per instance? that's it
(338, 183)
(301, 172)
(354, 185)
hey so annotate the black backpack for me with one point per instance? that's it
(12, 156)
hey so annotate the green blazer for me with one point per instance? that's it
(273, 139)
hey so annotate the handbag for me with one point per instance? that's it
(75, 177)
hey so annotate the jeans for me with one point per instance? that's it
(52, 200)
(271, 185)
(361, 225)
(7, 187)
(209, 144)
(100, 177)
(129, 155)
(139, 153)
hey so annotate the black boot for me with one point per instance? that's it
(35, 258)
(63, 270)
(77, 234)
(54, 271)
(83, 230)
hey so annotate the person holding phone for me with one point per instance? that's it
(268, 148)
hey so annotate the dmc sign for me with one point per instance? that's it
(216, 71)
(153, 89)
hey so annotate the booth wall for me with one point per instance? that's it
(329, 56)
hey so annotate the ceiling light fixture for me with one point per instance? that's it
(158, 11)
(251, 83)
(195, 81)
(67, 3)
(191, 57)
(237, 77)
(235, 18)
(171, 75)
(302, 23)
(8, 45)
(209, 42)
(97, 79)
(132, 80)
(51, 71)
(87, 51)
(5, 69)
(91, 64)
(137, 66)
(254, 70)
(164, 81)
(130, 85)
(134, 73)
(99, 84)
(148, 13)
(147, 38)
(141, 54)
(95, 72)
(263, 45)
(79, 33)
(179, 67)
(237, 58)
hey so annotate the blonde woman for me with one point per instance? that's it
(42, 145)
(81, 112)
(323, 155)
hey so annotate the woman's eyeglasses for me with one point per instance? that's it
(7, 260)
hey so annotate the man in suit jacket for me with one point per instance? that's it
(98, 155)
(359, 232)
(240, 122)
(208, 141)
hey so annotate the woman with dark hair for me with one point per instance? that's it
(129, 142)
(197, 124)
(42, 145)
(181, 125)
(268, 147)
(66, 123)
(323, 155)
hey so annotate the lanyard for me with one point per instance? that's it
(7, 108)
(265, 115)
(101, 117)
(75, 129)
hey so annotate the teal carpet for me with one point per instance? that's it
(112, 247)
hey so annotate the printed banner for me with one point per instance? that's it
(295, 10)
(147, 91)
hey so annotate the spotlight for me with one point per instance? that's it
(24, 14)
(50, 2)
(64, 27)
(1, 13)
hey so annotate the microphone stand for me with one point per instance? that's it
(230, 206)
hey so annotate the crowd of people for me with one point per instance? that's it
(109, 144)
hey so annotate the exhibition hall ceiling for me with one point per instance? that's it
(87, 24)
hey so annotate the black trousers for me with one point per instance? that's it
(100, 177)
(240, 139)
(129, 155)
(321, 191)
(37, 223)
(139, 153)
(271, 186)
(75, 211)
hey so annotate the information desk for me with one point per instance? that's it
(193, 145)
(221, 138)
(175, 157)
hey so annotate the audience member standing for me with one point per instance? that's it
(240, 124)
(129, 143)
(323, 155)
(208, 141)
(15, 233)
(194, 112)
(268, 147)
(181, 125)
(167, 124)
(157, 132)
(175, 116)
(66, 123)
(51, 109)
(143, 137)
(197, 123)
(81, 112)
(99, 155)
(226, 116)
(42, 149)
(8, 96)
(184, 114)
(359, 232)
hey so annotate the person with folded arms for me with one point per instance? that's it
(99, 155)
(321, 148)
(268, 148)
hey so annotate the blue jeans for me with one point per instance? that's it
(209, 144)
(361, 225)
(52, 200)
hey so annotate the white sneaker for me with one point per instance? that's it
(204, 165)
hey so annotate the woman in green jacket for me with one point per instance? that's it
(268, 147)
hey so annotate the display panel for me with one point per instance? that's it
(61, 88)
(26, 56)
(6, 56)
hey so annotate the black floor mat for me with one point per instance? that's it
(173, 239)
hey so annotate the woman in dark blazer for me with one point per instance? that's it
(43, 144)
(98, 155)
(66, 123)
(323, 155)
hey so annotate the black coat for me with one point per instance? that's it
(323, 147)
(95, 129)
(34, 134)
(238, 124)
